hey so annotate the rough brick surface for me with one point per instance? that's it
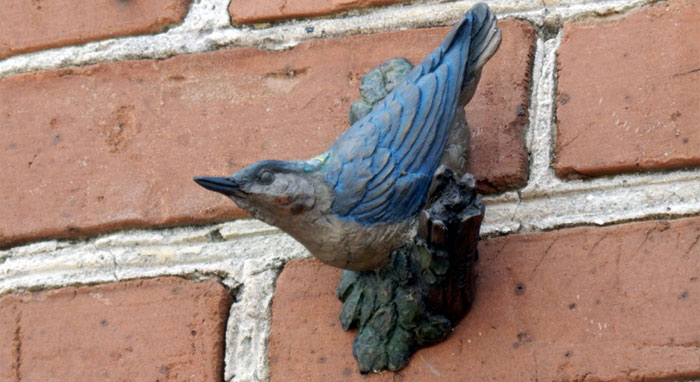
(498, 116)
(8, 340)
(115, 145)
(628, 92)
(617, 303)
(26, 26)
(243, 11)
(165, 329)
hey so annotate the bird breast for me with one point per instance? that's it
(349, 245)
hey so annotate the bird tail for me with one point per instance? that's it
(471, 43)
(479, 33)
(486, 37)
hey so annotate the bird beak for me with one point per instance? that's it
(224, 186)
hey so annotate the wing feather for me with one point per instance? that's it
(381, 167)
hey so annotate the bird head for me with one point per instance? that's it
(270, 190)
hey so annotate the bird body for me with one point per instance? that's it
(355, 203)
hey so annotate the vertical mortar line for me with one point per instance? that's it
(536, 78)
(246, 351)
(267, 330)
(209, 14)
(223, 9)
(552, 64)
(541, 137)
(230, 332)
(265, 375)
(228, 16)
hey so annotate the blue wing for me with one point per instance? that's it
(381, 167)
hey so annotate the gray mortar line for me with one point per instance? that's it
(539, 135)
(207, 27)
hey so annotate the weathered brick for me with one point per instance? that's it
(115, 145)
(28, 26)
(243, 11)
(9, 335)
(498, 115)
(165, 329)
(628, 92)
(617, 303)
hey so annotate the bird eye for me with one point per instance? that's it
(266, 177)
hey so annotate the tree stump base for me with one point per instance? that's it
(426, 288)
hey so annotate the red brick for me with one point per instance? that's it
(617, 303)
(243, 11)
(8, 340)
(28, 26)
(115, 145)
(165, 329)
(628, 92)
(498, 115)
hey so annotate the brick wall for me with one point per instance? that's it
(115, 266)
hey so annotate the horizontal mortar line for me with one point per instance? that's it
(594, 207)
(551, 185)
(105, 246)
(44, 265)
(56, 263)
(55, 279)
(283, 35)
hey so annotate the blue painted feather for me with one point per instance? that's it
(381, 167)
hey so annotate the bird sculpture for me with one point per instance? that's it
(355, 203)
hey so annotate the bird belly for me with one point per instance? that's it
(350, 245)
